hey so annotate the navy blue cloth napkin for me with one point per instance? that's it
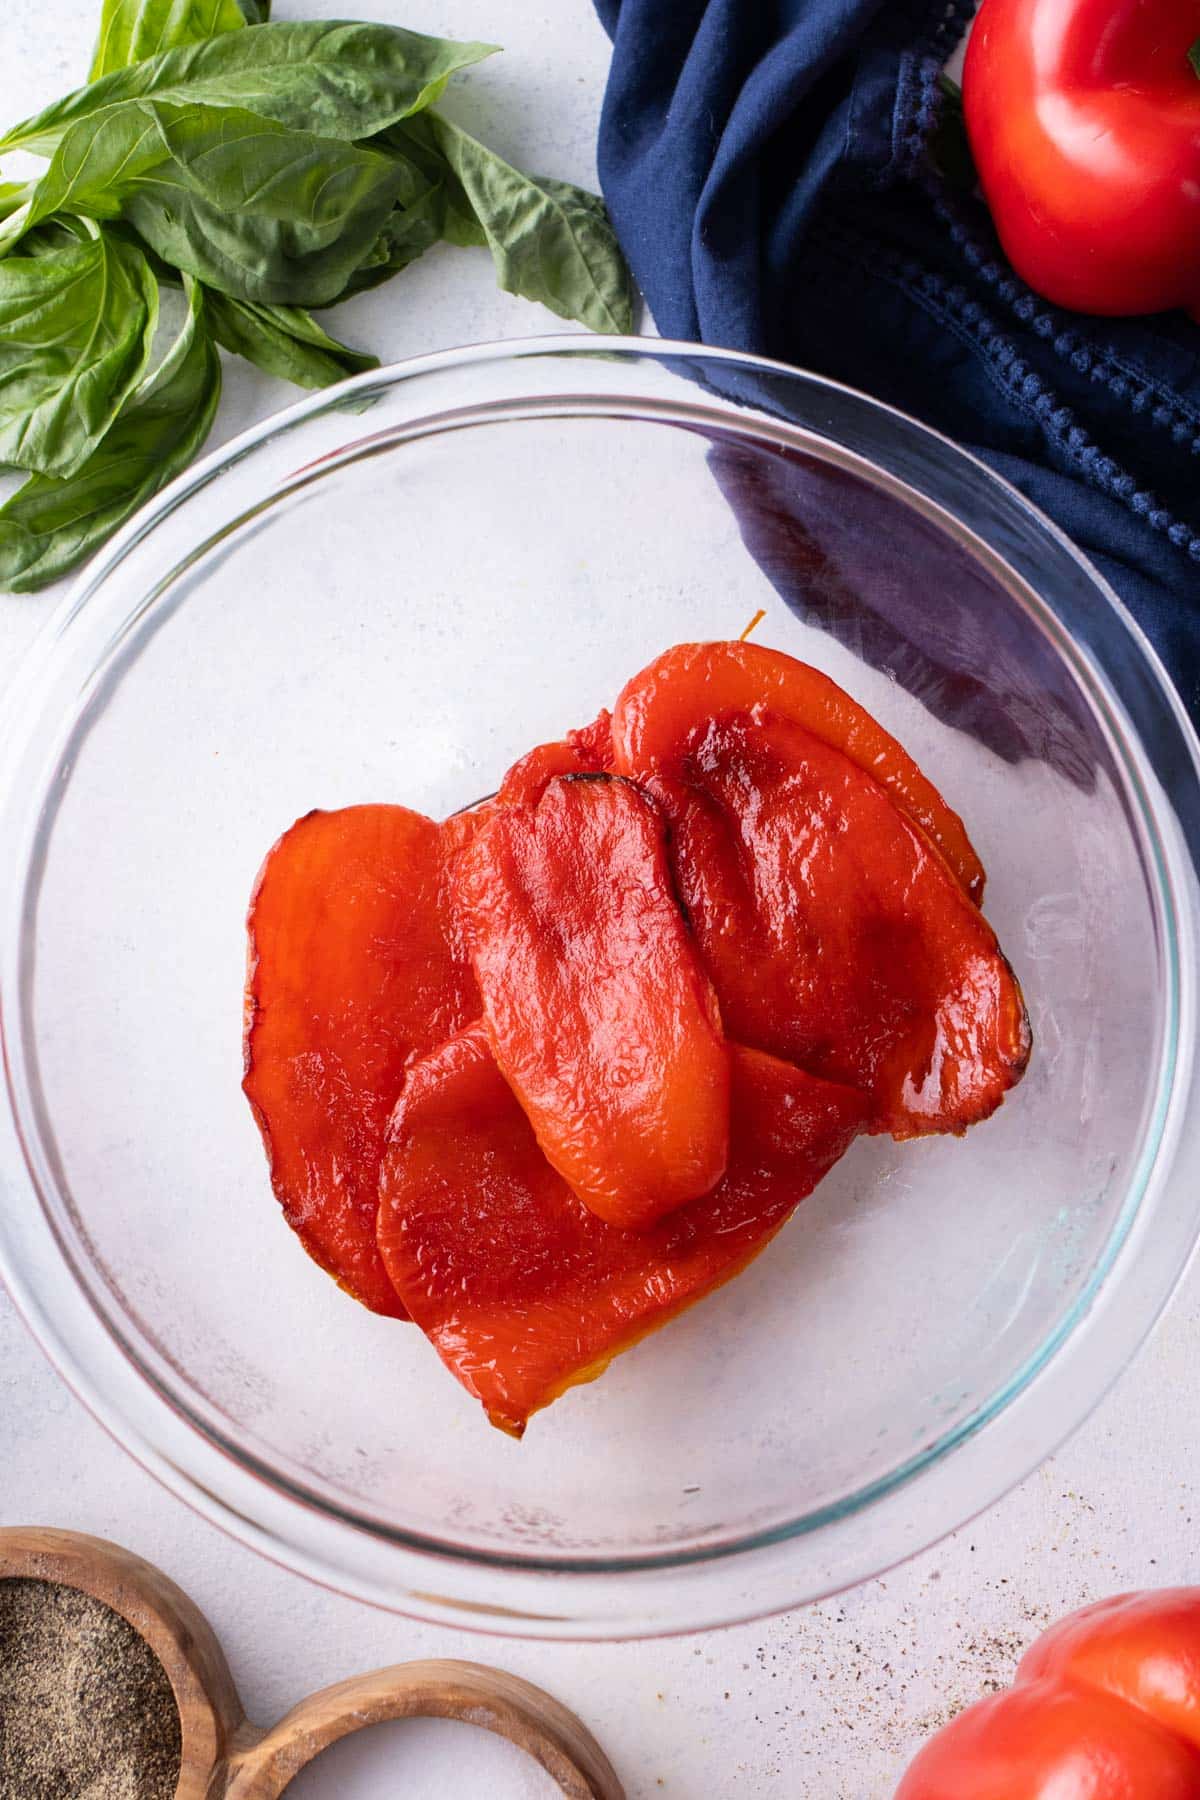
(778, 173)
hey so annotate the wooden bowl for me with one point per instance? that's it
(225, 1757)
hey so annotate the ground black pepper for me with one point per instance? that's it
(86, 1710)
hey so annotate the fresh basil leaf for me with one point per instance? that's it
(409, 231)
(76, 325)
(417, 140)
(164, 272)
(550, 241)
(339, 80)
(13, 195)
(261, 212)
(59, 233)
(132, 30)
(242, 203)
(1194, 56)
(285, 341)
(93, 168)
(50, 525)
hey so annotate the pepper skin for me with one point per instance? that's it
(659, 710)
(581, 752)
(1084, 121)
(351, 974)
(595, 1004)
(1105, 1706)
(834, 932)
(520, 1288)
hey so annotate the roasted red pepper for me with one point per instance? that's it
(351, 974)
(580, 752)
(835, 933)
(658, 712)
(576, 1153)
(1106, 1704)
(595, 1005)
(521, 1289)
(1084, 121)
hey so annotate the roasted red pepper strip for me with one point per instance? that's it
(1084, 121)
(834, 932)
(659, 711)
(351, 975)
(579, 753)
(521, 1289)
(1106, 1703)
(594, 1000)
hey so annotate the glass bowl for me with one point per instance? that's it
(387, 593)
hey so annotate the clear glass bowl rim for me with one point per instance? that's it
(664, 1591)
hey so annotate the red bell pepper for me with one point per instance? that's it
(595, 1004)
(1107, 1703)
(835, 933)
(352, 973)
(522, 1290)
(579, 753)
(660, 709)
(1084, 121)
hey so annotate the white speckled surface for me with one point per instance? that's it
(826, 1703)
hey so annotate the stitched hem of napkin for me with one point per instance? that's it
(1123, 379)
(918, 96)
(954, 308)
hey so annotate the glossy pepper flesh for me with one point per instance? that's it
(1084, 121)
(352, 973)
(834, 932)
(586, 751)
(659, 710)
(1106, 1703)
(521, 1289)
(595, 1003)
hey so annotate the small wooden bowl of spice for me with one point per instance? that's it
(113, 1685)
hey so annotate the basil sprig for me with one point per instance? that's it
(267, 167)
(51, 523)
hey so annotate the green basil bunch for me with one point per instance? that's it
(267, 168)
